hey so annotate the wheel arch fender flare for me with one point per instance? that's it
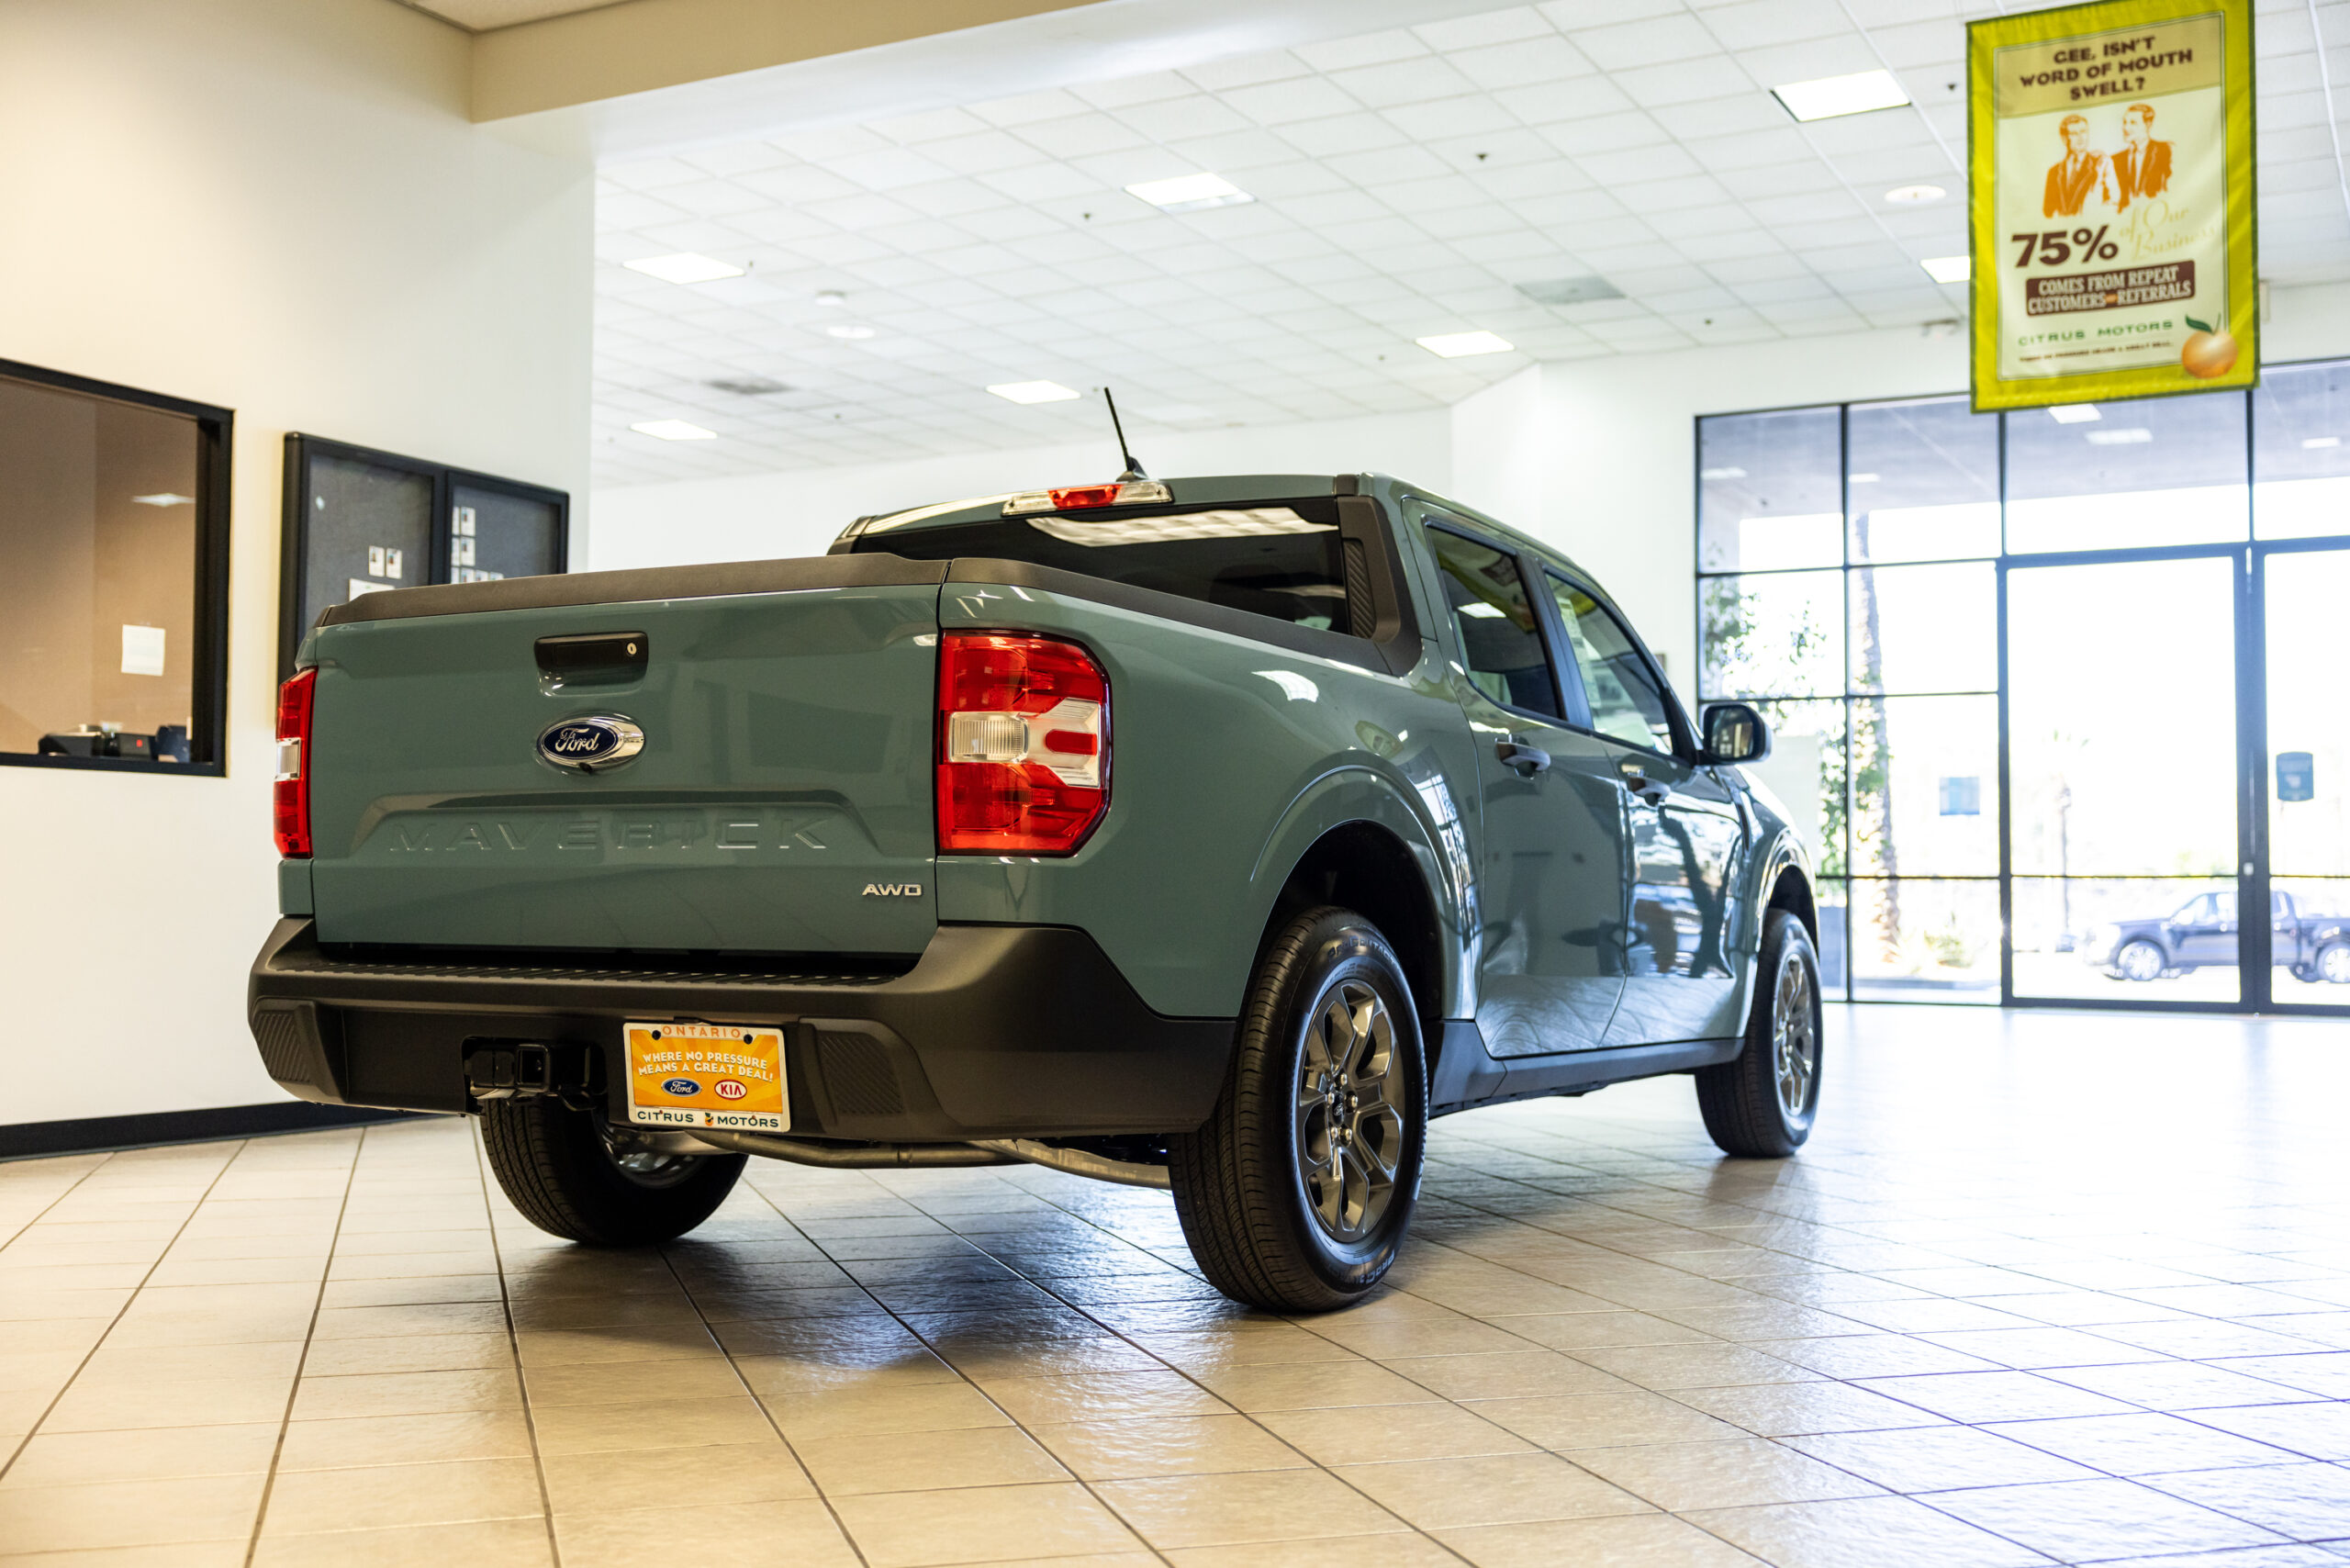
(1423, 824)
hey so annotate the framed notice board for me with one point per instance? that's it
(359, 522)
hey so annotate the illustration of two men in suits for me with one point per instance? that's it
(2141, 169)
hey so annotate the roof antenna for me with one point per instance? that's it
(1134, 469)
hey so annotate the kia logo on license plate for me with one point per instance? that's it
(587, 744)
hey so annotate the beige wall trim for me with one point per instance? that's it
(642, 45)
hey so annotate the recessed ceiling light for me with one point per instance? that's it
(853, 331)
(165, 497)
(1832, 95)
(1189, 192)
(1949, 269)
(1459, 345)
(2075, 413)
(1033, 392)
(674, 429)
(1721, 472)
(2314, 443)
(685, 267)
(1864, 478)
(830, 298)
(2131, 437)
(1915, 195)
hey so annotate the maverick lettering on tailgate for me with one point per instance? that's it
(737, 832)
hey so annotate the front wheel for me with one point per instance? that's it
(1760, 1104)
(575, 1177)
(2140, 961)
(2333, 963)
(1296, 1192)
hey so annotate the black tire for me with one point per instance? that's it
(558, 1167)
(1760, 1104)
(1329, 1014)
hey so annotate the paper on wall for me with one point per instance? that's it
(143, 650)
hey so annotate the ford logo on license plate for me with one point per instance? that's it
(598, 741)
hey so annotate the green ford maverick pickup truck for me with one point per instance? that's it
(1210, 834)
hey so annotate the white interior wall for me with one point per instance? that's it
(282, 209)
(772, 516)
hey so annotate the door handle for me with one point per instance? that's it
(1527, 760)
(1637, 780)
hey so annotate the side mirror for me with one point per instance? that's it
(1736, 732)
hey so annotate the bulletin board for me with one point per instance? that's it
(359, 521)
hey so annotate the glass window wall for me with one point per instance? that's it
(2004, 658)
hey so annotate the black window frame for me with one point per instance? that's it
(207, 736)
(294, 542)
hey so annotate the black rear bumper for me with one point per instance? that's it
(997, 1031)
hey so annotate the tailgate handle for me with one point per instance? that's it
(594, 658)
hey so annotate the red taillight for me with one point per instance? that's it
(1023, 744)
(290, 795)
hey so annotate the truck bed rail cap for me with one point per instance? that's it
(723, 579)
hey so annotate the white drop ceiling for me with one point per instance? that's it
(1407, 183)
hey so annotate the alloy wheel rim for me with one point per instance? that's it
(2334, 965)
(1349, 1127)
(2140, 961)
(1795, 1041)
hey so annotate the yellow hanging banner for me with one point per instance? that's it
(2111, 183)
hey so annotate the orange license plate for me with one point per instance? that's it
(727, 1076)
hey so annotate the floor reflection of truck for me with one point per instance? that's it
(2202, 931)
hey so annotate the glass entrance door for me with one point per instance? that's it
(2305, 775)
(2122, 778)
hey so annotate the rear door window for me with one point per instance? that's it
(1493, 622)
(1286, 561)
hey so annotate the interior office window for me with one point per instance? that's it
(1922, 480)
(1493, 619)
(1625, 694)
(1769, 491)
(359, 522)
(2124, 476)
(2300, 451)
(113, 575)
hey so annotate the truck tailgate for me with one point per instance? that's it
(781, 802)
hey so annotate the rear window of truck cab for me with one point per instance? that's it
(1282, 559)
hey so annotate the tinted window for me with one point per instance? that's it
(1494, 620)
(1286, 561)
(1627, 698)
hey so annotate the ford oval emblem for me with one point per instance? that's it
(587, 744)
(681, 1087)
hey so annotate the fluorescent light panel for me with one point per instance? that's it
(1949, 269)
(165, 499)
(1459, 345)
(1033, 392)
(1189, 192)
(1832, 95)
(685, 267)
(674, 429)
(2075, 413)
(1915, 195)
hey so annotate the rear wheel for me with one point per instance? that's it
(1760, 1105)
(1297, 1192)
(2141, 961)
(572, 1175)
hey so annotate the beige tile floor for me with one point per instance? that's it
(2044, 1287)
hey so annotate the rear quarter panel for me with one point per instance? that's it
(1229, 759)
